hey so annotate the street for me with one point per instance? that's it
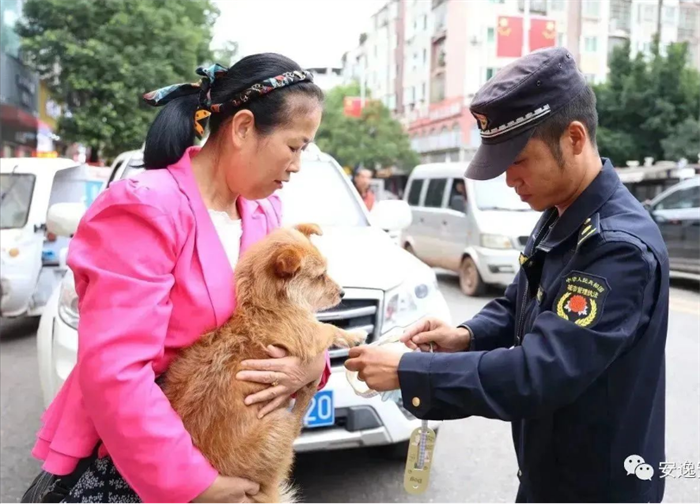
(474, 460)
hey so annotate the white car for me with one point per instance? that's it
(29, 255)
(385, 288)
(475, 228)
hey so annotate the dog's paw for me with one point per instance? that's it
(354, 338)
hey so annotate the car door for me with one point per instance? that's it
(453, 225)
(415, 233)
(678, 218)
(434, 211)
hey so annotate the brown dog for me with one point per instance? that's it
(280, 283)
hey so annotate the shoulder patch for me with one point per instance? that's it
(581, 298)
(590, 227)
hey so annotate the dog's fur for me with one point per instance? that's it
(281, 282)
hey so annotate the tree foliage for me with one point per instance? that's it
(99, 56)
(376, 138)
(649, 106)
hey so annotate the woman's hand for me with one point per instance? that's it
(285, 375)
(227, 489)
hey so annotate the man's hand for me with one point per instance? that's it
(444, 337)
(285, 375)
(229, 489)
(377, 367)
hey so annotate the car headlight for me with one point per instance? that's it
(496, 241)
(408, 302)
(68, 301)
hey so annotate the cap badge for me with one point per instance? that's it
(482, 120)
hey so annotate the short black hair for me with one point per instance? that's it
(172, 131)
(582, 108)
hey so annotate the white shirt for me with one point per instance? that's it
(230, 232)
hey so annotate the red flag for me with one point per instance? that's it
(509, 43)
(543, 33)
(352, 106)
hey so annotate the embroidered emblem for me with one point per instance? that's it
(581, 298)
(523, 259)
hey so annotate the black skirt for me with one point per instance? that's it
(94, 480)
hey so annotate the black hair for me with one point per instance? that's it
(582, 108)
(172, 131)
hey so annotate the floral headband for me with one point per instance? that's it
(209, 75)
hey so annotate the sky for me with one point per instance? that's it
(314, 33)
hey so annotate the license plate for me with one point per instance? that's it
(321, 412)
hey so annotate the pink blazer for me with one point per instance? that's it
(151, 277)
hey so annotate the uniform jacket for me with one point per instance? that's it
(572, 354)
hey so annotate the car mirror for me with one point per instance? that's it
(391, 215)
(63, 218)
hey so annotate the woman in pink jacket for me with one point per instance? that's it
(153, 263)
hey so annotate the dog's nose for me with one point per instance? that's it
(342, 293)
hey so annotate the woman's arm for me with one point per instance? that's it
(123, 255)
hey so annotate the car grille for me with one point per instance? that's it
(351, 314)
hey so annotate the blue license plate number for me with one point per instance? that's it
(321, 412)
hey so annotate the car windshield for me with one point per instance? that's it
(319, 193)
(494, 194)
(16, 195)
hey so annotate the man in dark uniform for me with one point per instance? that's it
(573, 353)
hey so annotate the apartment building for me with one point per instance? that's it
(425, 59)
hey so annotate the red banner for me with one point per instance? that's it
(543, 33)
(509, 43)
(352, 106)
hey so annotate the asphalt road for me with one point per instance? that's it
(474, 459)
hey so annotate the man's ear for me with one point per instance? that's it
(287, 261)
(309, 229)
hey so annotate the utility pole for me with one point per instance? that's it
(526, 27)
(658, 22)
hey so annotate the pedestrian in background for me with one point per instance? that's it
(362, 181)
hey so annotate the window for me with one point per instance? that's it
(681, 199)
(17, 191)
(490, 72)
(560, 39)
(425, 56)
(591, 9)
(621, 14)
(414, 192)
(436, 190)
(458, 196)
(557, 5)
(591, 44)
(425, 21)
(490, 35)
(669, 15)
(424, 94)
(647, 13)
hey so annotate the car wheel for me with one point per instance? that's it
(470, 282)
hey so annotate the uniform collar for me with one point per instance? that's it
(587, 204)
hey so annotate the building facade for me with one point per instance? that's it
(425, 59)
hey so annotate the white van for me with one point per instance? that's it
(30, 256)
(385, 289)
(474, 228)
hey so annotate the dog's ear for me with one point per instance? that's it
(287, 262)
(309, 229)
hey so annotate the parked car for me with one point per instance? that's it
(30, 256)
(474, 228)
(677, 213)
(385, 289)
